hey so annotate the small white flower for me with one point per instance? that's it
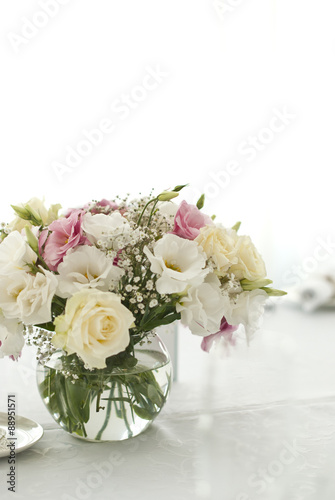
(153, 303)
(129, 288)
(178, 262)
(86, 267)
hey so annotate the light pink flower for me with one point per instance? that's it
(226, 331)
(66, 233)
(104, 206)
(189, 220)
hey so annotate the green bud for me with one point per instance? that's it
(32, 240)
(213, 217)
(272, 292)
(179, 188)
(167, 196)
(28, 213)
(35, 218)
(201, 201)
(252, 285)
(236, 227)
(22, 212)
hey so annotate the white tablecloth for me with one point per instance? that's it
(258, 425)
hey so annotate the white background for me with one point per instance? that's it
(227, 70)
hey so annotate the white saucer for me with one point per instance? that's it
(27, 432)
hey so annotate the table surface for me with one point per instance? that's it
(257, 424)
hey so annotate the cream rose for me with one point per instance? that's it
(28, 297)
(95, 326)
(219, 244)
(250, 264)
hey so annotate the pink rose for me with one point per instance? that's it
(189, 220)
(66, 233)
(225, 331)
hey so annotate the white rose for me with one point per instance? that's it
(11, 337)
(15, 254)
(95, 326)
(219, 244)
(86, 267)
(250, 264)
(113, 230)
(247, 309)
(178, 262)
(28, 297)
(203, 307)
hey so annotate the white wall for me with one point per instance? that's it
(229, 70)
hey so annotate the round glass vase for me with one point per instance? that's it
(111, 404)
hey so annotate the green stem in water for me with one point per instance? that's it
(123, 410)
(98, 407)
(108, 413)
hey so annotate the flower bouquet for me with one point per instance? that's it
(90, 287)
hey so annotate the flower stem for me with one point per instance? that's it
(144, 209)
(108, 413)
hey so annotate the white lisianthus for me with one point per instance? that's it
(220, 245)
(38, 206)
(247, 309)
(11, 337)
(203, 307)
(250, 264)
(178, 262)
(28, 297)
(166, 210)
(95, 326)
(86, 267)
(15, 254)
(112, 230)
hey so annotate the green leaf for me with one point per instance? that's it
(201, 202)
(142, 413)
(273, 292)
(155, 396)
(163, 321)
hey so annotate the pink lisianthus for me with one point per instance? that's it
(226, 331)
(66, 233)
(189, 220)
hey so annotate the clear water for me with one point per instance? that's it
(126, 407)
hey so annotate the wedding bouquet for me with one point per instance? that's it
(95, 282)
